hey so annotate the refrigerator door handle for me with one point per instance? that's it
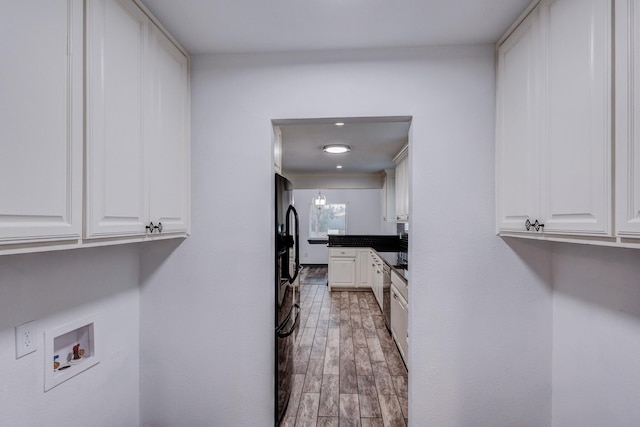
(286, 320)
(296, 242)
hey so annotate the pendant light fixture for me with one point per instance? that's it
(319, 200)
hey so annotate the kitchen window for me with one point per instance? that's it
(330, 219)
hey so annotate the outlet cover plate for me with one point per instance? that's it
(26, 339)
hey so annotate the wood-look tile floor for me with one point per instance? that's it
(347, 369)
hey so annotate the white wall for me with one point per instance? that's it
(480, 311)
(596, 336)
(364, 216)
(55, 289)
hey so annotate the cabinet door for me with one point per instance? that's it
(404, 328)
(379, 287)
(399, 321)
(402, 190)
(517, 133)
(389, 195)
(342, 272)
(628, 118)
(277, 149)
(578, 52)
(116, 66)
(41, 121)
(363, 268)
(396, 315)
(372, 271)
(167, 145)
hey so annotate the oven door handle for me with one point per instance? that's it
(286, 320)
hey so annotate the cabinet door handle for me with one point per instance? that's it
(151, 227)
(537, 225)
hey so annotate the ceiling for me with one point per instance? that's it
(217, 26)
(258, 26)
(374, 142)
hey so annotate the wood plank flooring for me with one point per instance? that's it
(347, 369)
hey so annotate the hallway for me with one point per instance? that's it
(348, 371)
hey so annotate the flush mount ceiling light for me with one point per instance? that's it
(336, 148)
(339, 167)
(339, 124)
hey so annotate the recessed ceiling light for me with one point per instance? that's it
(339, 124)
(336, 148)
(339, 167)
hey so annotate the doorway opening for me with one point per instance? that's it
(344, 347)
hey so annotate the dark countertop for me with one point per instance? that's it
(381, 243)
(403, 274)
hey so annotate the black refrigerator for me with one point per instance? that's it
(287, 307)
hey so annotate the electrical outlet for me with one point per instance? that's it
(26, 339)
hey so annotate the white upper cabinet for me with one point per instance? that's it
(117, 76)
(137, 129)
(167, 145)
(518, 125)
(94, 126)
(277, 149)
(627, 92)
(577, 108)
(389, 196)
(402, 185)
(554, 136)
(41, 121)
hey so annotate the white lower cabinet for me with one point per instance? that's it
(355, 268)
(377, 284)
(363, 268)
(41, 124)
(400, 321)
(342, 267)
